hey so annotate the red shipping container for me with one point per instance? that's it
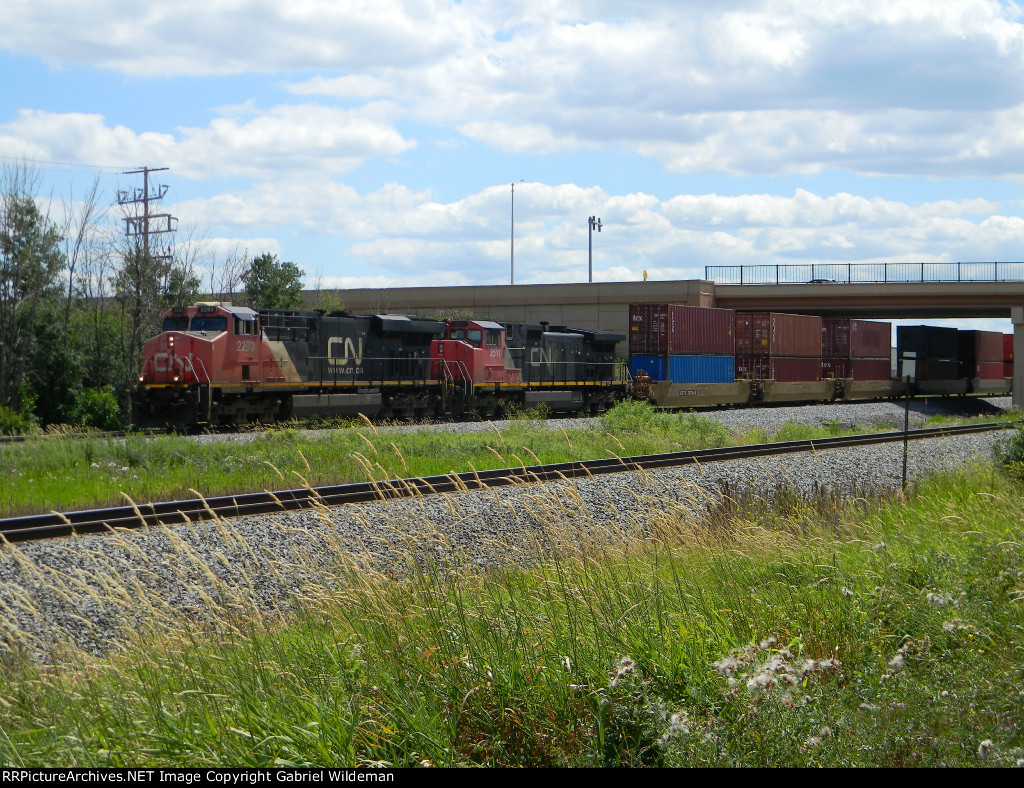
(680, 330)
(778, 334)
(856, 368)
(975, 346)
(1007, 347)
(870, 369)
(1007, 369)
(988, 370)
(835, 368)
(781, 369)
(843, 337)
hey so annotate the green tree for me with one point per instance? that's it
(146, 286)
(30, 262)
(271, 284)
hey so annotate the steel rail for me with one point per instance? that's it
(57, 524)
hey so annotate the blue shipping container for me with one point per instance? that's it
(651, 363)
(684, 369)
(701, 369)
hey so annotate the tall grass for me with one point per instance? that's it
(74, 474)
(800, 630)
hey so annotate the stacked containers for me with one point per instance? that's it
(980, 354)
(682, 344)
(778, 346)
(936, 351)
(1007, 355)
(857, 349)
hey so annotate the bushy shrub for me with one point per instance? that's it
(99, 408)
(708, 432)
(632, 416)
(14, 423)
(1010, 453)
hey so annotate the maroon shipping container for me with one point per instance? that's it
(1007, 347)
(781, 369)
(679, 330)
(974, 346)
(1007, 369)
(856, 368)
(843, 337)
(988, 370)
(778, 334)
(835, 368)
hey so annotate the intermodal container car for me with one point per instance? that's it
(974, 346)
(856, 368)
(654, 365)
(934, 342)
(676, 329)
(701, 369)
(781, 369)
(844, 337)
(936, 369)
(986, 370)
(684, 369)
(778, 334)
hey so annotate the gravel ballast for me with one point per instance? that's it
(87, 591)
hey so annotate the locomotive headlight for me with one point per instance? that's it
(142, 378)
(175, 378)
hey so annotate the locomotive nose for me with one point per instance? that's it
(167, 359)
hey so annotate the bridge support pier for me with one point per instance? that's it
(1017, 316)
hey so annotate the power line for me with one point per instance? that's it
(55, 164)
(139, 226)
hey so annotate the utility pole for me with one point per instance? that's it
(593, 222)
(512, 263)
(140, 226)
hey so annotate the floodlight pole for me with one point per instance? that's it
(592, 222)
(512, 263)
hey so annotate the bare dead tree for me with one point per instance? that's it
(327, 300)
(226, 275)
(80, 238)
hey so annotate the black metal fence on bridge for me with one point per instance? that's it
(853, 273)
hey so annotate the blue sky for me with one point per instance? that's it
(373, 143)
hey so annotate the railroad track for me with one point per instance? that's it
(56, 524)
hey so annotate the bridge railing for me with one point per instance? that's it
(854, 273)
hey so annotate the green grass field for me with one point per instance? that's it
(69, 474)
(789, 632)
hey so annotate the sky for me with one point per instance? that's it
(376, 144)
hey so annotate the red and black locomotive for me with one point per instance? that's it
(217, 364)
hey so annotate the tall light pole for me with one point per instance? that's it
(512, 266)
(593, 222)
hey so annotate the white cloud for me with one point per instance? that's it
(410, 237)
(196, 37)
(306, 137)
(759, 87)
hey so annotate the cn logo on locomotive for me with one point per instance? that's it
(348, 351)
(160, 362)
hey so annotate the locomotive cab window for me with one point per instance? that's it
(245, 328)
(176, 323)
(493, 338)
(474, 335)
(209, 324)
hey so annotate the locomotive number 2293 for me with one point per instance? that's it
(245, 346)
